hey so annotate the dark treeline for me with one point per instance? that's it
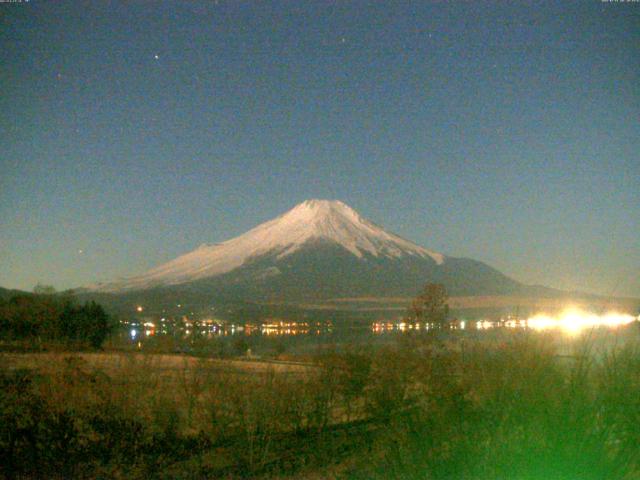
(41, 319)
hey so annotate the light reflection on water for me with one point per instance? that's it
(149, 329)
(575, 320)
(570, 321)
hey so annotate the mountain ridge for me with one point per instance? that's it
(308, 221)
(318, 250)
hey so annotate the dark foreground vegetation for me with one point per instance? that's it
(422, 409)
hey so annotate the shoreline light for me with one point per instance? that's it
(573, 321)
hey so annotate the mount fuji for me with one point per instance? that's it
(318, 250)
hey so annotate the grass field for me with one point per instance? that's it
(506, 407)
(115, 362)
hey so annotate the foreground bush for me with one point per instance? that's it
(470, 409)
(516, 411)
(75, 423)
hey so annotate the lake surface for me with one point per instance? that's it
(278, 337)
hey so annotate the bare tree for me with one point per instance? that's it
(42, 289)
(431, 305)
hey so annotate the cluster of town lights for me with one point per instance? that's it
(574, 321)
(570, 320)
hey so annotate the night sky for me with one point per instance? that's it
(132, 132)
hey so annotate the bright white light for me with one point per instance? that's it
(133, 333)
(541, 322)
(574, 320)
(484, 325)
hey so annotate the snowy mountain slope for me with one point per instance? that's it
(322, 269)
(327, 221)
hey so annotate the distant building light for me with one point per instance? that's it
(139, 308)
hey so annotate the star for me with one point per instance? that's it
(156, 56)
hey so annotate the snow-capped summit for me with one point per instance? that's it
(333, 220)
(330, 221)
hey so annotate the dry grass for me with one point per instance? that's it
(421, 409)
(114, 362)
